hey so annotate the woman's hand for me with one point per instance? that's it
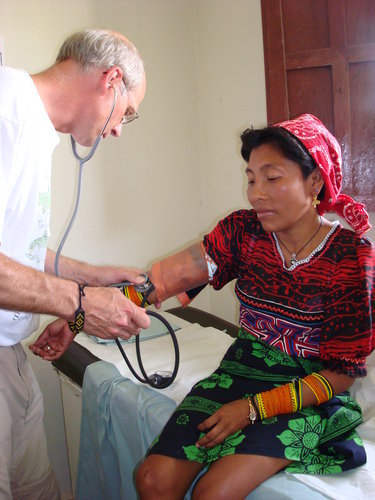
(230, 418)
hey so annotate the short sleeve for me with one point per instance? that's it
(8, 139)
(347, 336)
(225, 244)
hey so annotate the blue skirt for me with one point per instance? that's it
(317, 439)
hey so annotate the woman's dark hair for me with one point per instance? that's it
(282, 140)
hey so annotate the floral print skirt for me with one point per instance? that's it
(318, 440)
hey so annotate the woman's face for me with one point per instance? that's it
(277, 190)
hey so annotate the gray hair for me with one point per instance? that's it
(102, 48)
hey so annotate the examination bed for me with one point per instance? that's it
(120, 417)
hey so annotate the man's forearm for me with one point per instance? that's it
(71, 269)
(25, 289)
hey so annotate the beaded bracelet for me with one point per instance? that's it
(287, 398)
(298, 389)
(320, 387)
(280, 400)
(326, 384)
(76, 326)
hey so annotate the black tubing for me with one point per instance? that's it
(156, 381)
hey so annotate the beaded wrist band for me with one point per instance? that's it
(76, 326)
(278, 401)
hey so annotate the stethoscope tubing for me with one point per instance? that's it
(82, 161)
(166, 382)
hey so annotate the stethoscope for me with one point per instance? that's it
(158, 380)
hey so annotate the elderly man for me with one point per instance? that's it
(98, 79)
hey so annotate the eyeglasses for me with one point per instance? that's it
(129, 117)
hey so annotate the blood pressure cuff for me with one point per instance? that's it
(183, 275)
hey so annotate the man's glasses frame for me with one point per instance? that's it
(134, 116)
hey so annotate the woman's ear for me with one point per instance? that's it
(317, 181)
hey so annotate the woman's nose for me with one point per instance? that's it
(256, 191)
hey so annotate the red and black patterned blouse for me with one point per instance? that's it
(321, 308)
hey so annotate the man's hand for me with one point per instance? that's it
(90, 275)
(109, 314)
(53, 341)
(110, 275)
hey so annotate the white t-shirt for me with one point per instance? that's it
(27, 141)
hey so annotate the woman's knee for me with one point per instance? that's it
(235, 476)
(148, 475)
(165, 477)
(155, 477)
(206, 490)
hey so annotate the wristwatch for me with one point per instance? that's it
(252, 416)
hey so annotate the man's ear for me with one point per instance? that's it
(111, 78)
(114, 75)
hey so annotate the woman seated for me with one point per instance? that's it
(280, 397)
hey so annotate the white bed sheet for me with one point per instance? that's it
(201, 350)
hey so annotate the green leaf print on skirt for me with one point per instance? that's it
(205, 455)
(303, 442)
(223, 381)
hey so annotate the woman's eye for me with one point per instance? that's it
(271, 179)
(250, 181)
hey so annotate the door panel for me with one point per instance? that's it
(320, 59)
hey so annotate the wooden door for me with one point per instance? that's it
(320, 59)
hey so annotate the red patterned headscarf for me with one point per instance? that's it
(326, 152)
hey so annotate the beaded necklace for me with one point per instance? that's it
(293, 255)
